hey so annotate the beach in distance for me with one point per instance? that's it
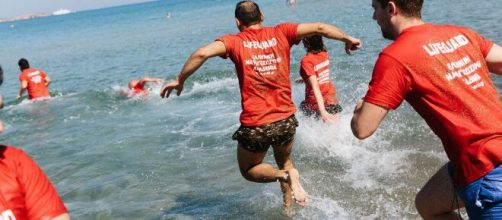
(114, 157)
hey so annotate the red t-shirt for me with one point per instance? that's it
(317, 65)
(261, 58)
(441, 71)
(25, 191)
(36, 83)
(139, 88)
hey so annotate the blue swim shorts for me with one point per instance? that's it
(483, 197)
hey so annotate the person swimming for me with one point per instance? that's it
(138, 86)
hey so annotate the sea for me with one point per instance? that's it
(114, 157)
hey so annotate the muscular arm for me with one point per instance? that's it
(328, 31)
(494, 59)
(193, 63)
(367, 117)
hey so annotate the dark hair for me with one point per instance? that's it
(248, 12)
(314, 44)
(1, 75)
(23, 64)
(411, 8)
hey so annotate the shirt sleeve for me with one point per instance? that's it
(22, 77)
(289, 30)
(485, 45)
(41, 198)
(306, 68)
(228, 41)
(389, 84)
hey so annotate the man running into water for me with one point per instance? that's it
(261, 58)
(33, 80)
(138, 86)
(443, 72)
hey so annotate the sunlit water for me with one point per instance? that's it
(113, 157)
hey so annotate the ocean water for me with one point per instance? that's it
(112, 157)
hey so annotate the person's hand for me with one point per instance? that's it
(18, 97)
(159, 80)
(299, 80)
(166, 90)
(352, 44)
(327, 117)
(1, 127)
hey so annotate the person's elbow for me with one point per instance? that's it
(320, 28)
(201, 54)
(360, 131)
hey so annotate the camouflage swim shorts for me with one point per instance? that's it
(332, 109)
(260, 138)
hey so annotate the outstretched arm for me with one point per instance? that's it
(150, 79)
(494, 59)
(194, 62)
(367, 117)
(326, 116)
(328, 31)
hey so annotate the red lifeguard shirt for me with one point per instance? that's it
(441, 71)
(261, 58)
(317, 65)
(36, 83)
(139, 88)
(25, 191)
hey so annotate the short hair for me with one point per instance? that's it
(314, 44)
(23, 64)
(410, 8)
(248, 12)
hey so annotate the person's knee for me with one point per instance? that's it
(420, 205)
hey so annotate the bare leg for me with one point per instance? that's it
(253, 169)
(437, 199)
(282, 156)
(283, 159)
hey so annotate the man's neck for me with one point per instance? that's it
(253, 27)
(406, 23)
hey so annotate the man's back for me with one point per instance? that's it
(441, 72)
(36, 83)
(261, 58)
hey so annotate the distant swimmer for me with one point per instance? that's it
(261, 56)
(291, 3)
(138, 86)
(443, 72)
(25, 190)
(320, 93)
(168, 15)
(33, 80)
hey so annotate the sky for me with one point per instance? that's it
(12, 8)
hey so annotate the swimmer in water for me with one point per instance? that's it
(138, 86)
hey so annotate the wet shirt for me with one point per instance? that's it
(36, 83)
(25, 191)
(317, 65)
(261, 58)
(441, 71)
(139, 88)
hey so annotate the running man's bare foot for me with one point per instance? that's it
(299, 194)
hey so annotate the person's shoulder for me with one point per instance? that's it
(12, 153)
